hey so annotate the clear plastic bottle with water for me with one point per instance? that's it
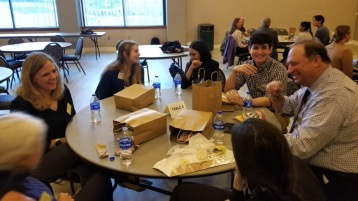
(177, 83)
(156, 85)
(95, 109)
(219, 126)
(125, 144)
(247, 105)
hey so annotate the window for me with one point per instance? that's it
(28, 14)
(123, 13)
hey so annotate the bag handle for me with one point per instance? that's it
(217, 75)
(187, 137)
(199, 72)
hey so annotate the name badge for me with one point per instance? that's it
(175, 108)
(69, 109)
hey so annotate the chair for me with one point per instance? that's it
(15, 66)
(57, 38)
(75, 58)
(281, 31)
(7, 58)
(56, 52)
(17, 56)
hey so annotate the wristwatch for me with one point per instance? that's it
(58, 142)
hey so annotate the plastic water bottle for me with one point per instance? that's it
(156, 85)
(125, 144)
(219, 126)
(247, 105)
(95, 109)
(177, 83)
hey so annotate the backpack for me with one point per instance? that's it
(155, 41)
(172, 47)
(174, 69)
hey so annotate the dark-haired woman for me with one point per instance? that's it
(200, 57)
(341, 56)
(265, 170)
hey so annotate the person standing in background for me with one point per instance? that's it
(322, 32)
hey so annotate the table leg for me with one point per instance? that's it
(96, 47)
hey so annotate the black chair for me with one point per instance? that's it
(281, 31)
(75, 58)
(17, 56)
(15, 66)
(57, 38)
(8, 59)
(56, 52)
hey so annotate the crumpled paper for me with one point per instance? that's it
(197, 155)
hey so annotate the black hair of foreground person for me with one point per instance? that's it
(266, 170)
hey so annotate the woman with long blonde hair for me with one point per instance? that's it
(43, 95)
(123, 72)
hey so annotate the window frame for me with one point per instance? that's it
(14, 28)
(83, 23)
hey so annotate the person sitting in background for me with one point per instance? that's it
(200, 57)
(322, 32)
(265, 27)
(238, 35)
(43, 95)
(122, 73)
(305, 33)
(256, 73)
(340, 55)
(22, 142)
(265, 170)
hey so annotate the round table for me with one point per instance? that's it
(82, 136)
(30, 47)
(5, 73)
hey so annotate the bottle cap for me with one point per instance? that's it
(111, 158)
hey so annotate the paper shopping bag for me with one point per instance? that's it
(191, 122)
(206, 96)
(134, 97)
(145, 124)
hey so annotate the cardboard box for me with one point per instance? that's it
(134, 97)
(145, 124)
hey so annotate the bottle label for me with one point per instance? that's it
(219, 126)
(247, 103)
(177, 82)
(95, 106)
(125, 142)
(156, 85)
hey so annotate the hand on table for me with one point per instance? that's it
(234, 97)
(246, 69)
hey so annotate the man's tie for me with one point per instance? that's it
(302, 103)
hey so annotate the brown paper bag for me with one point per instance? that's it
(206, 96)
(145, 124)
(134, 97)
(192, 122)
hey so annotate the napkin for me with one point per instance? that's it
(102, 150)
(197, 155)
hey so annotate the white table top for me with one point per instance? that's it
(82, 136)
(154, 52)
(48, 35)
(30, 47)
(5, 73)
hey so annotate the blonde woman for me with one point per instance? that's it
(340, 55)
(42, 94)
(123, 72)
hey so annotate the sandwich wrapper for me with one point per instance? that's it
(197, 155)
